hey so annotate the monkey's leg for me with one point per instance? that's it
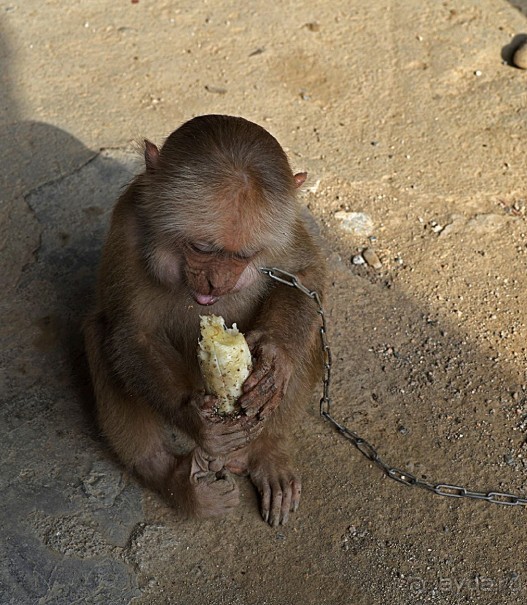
(139, 437)
(270, 465)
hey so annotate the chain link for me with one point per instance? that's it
(364, 447)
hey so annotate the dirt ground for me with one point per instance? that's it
(400, 109)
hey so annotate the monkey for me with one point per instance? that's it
(189, 236)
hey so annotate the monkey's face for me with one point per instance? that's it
(211, 273)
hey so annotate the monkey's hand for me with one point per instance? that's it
(221, 435)
(265, 387)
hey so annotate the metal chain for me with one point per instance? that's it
(364, 447)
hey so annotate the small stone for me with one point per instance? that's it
(370, 256)
(358, 223)
(509, 459)
(486, 223)
(520, 56)
(218, 90)
(519, 207)
(313, 188)
(456, 224)
(358, 259)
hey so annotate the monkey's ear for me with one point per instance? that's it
(300, 178)
(151, 156)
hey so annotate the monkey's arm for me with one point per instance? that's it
(286, 328)
(149, 366)
(288, 316)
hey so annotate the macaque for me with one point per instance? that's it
(187, 238)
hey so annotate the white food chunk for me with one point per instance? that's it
(225, 361)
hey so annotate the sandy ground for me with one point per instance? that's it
(400, 109)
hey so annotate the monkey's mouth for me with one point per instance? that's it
(205, 299)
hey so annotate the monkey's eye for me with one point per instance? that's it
(202, 248)
(242, 256)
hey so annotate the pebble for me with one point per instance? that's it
(370, 256)
(312, 188)
(457, 222)
(218, 90)
(486, 223)
(520, 56)
(358, 259)
(436, 227)
(359, 223)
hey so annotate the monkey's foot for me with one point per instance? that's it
(215, 492)
(202, 487)
(279, 490)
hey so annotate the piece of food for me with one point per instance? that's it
(225, 361)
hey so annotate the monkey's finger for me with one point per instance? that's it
(259, 371)
(252, 430)
(248, 432)
(255, 400)
(265, 494)
(235, 442)
(276, 503)
(270, 404)
(287, 497)
(264, 404)
(296, 489)
(223, 445)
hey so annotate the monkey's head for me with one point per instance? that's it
(218, 199)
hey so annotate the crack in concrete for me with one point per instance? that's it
(58, 179)
(34, 253)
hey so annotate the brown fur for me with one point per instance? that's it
(215, 204)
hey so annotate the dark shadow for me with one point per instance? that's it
(56, 197)
(521, 5)
(507, 52)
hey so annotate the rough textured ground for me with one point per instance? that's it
(401, 109)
